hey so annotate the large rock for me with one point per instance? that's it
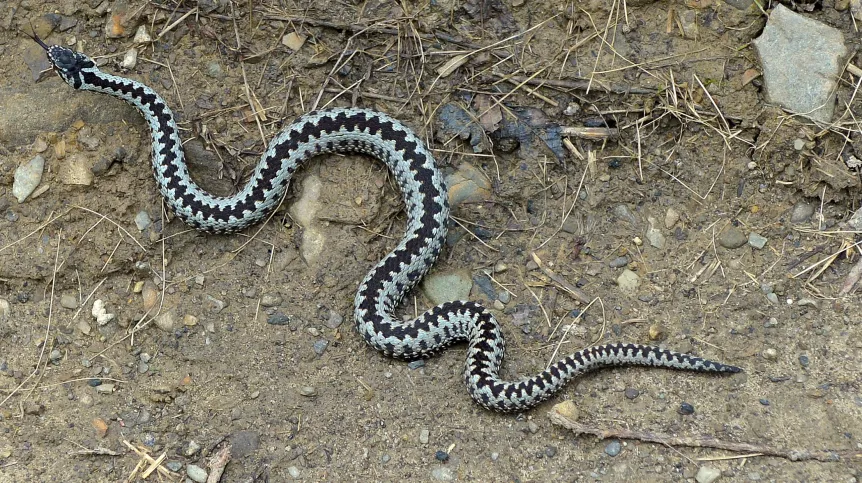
(802, 59)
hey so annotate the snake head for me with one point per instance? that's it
(67, 63)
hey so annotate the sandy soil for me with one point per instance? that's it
(213, 370)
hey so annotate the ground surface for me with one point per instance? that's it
(214, 368)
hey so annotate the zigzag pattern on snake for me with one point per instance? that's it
(425, 196)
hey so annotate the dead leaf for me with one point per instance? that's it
(490, 113)
(749, 75)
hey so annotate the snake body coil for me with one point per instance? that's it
(425, 196)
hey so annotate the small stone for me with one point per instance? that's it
(293, 41)
(808, 302)
(423, 436)
(801, 212)
(130, 60)
(495, 456)
(145, 357)
(192, 448)
(308, 391)
(196, 473)
(40, 146)
(568, 410)
(550, 451)
(628, 282)
(27, 178)
(5, 310)
(385, 458)
(320, 346)
(142, 36)
(142, 220)
(532, 427)
(271, 300)
(100, 313)
(101, 427)
(613, 448)
(500, 267)
(174, 466)
(199, 280)
(442, 473)
(619, 262)
(215, 305)
(732, 237)
(150, 295)
(623, 213)
(335, 320)
(84, 327)
(68, 301)
(55, 356)
(165, 321)
(764, 402)
(293, 471)
(654, 235)
(467, 184)
(707, 474)
(499, 305)
(278, 318)
(143, 367)
(214, 70)
(756, 240)
(442, 287)
(670, 218)
(190, 320)
(413, 365)
(803, 360)
(770, 354)
(105, 388)
(632, 393)
(772, 297)
(686, 409)
(656, 332)
(441, 456)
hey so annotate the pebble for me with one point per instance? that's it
(441, 456)
(214, 70)
(808, 302)
(423, 436)
(504, 297)
(632, 393)
(467, 184)
(619, 262)
(270, 300)
(100, 313)
(442, 287)
(142, 220)
(656, 332)
(308, 391)
(442, 473)
(105, 388)
(5, 310)
(495, 456)
(801, 212)
(149, 294)
(293, 471)
(278, 318)
(732, 237)
(686, 409)
(215, 305)
(27, 178)
(654, 235)
(792, 44)
(142, 36)
(772, 298)
(500, 267)
(623, 213)
(385, 459)
(165, 321)
(56, 355)
(192, 448)
(770, 354)
(764, 402)
(532, 427)
(567, 409)
(413, 365)
(199, 280)
(320, 346)
(551, 451)
(707, 474)
(803, 360)
(174, 466)
(76, 170)
(130, 60)
(68, 301)
(335, 320)
(670, 218)
(628, 282)
(613, 448)
(190, 320)
(756, 240)
(196, 473)
(499, 305)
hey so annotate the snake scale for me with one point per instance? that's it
(424, 192)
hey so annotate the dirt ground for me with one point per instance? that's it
(253, 342)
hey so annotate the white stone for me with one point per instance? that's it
(27, 178)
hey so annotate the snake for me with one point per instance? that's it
(425, 196)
